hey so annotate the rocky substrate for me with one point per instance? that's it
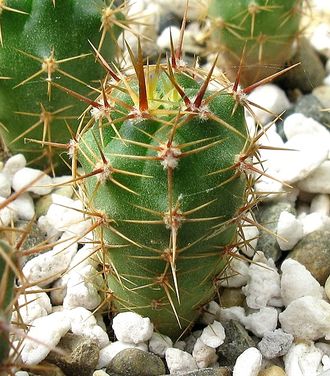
(273, 318)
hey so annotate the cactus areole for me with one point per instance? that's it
(164, 182)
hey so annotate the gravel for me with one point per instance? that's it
(285, 317)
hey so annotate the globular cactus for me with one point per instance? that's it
(43, 41)
(265, 29)
(167, 181)
(7, 283)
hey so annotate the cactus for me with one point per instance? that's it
(7, 283)
(166, 179)
(42, 41)
(266, 29)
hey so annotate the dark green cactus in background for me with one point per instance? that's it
(7, 283)
(266, 28)
(49, 40)
(166, 180)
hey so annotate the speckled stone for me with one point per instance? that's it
(268, 216)
(81, 355)
(35, 235)
(237, 340)
(221, 371)
(47, 369)
(310, 106)
(135, 362)
(272, 371)
(313, 251)
(231, 297)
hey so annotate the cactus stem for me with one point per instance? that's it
(50, 65)
(45, 118)
(3, 7)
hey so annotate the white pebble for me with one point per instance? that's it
(248, 363)
(24, 206)
(232, 313)
(64, 212)
(26, 175)
(204, 355)
(159, 343)
(210, 312)
(14, 164)
(327, 287)
(318, 181)
(270, 97)
(305, 154)
(298, 124)
(47, 267)
(302, 359)
(84, 323)
(47, 331)
(213, 335)
(248, 239)
(5, 185)
(132, 328)
(307, 318)
(84, 257)
(179, 361)
(289, 231)
(32, 305)
(82, 288)
(297, 281)
(236, 273)
(263, 287)
(320, 204)
(8, 213)
(313, 222)
(163, 41)
(320, 38)
(262, 321)
(196, 9)
(108, 352)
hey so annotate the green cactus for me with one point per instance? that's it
(7, 283)
(41, 41)
(166, 180)
(266, 29)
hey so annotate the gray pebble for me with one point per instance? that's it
(310, 106)
(136, 362)
(322, 93)
(237, 340)
(275, 343)
(313, 251)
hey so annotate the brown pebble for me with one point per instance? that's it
(313, 251)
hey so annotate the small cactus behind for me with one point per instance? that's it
(264, 29)
(43, 41)
(7, 284)
(168, 181)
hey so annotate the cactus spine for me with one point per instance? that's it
(43, 41)
(166, 179)
(266, 28)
